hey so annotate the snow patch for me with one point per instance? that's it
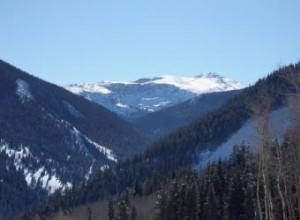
(53, 184)
(77, 137)
(149, 99)
(161, 104)
(87, 176)
(73, 111)
(23, 90)
(41, 177)
(200, 84)
(107, 152)
(88, 87)
(119, 104)
(104, 167)
(79, 141)
(33, 177)
(248, 134)
(16, 155)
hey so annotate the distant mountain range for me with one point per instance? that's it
(138, 98)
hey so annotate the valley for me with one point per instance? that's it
(81, 167)
(150, 110)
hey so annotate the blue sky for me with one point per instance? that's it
(88, 41)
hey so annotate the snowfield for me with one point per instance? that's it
(128, 99)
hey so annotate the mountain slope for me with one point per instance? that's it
(167, 120)
(133, 99)
(50, 137)
(183, 148)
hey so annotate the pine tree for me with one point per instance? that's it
(138, 190)
(122, 210)
(161, 205)
(123, 206)
(211, 204)
(192, 203)
(173, 202)
(133, 213)
(111, 211)
(182, 207)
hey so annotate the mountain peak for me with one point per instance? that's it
(145, 95)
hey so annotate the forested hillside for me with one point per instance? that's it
(152, 170)
(246, 186)
(163, 122)
(50, 138)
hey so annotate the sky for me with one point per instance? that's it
(81, 41)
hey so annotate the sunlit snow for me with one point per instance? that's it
(23, 90)
(88, 87)
(33, 177)
(107, 152)
(79, 141)
(16, 155)
(150, 95)
(248, 134)
(51, 183)
(201, 84)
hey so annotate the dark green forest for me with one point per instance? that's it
(44, 124)
(163, 122)
(246, 186)
(260, 185)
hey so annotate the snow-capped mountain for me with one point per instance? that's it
(131, 99)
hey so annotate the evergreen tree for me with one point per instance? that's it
(182, 206)
(173, 202)
(211, 205)
(122, 210)
(138, 190)
(133, 213)
(236, 207)
(161, 205)
(192, 202)
(111, 211)
(123, 207)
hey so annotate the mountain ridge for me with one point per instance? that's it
(160, 123)
(145, 95)
(181, 149)
(50, 137)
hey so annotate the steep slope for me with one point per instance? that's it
(279, 121)
(133, 99)
(167, 120)
(210, 132)
(50, 137)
